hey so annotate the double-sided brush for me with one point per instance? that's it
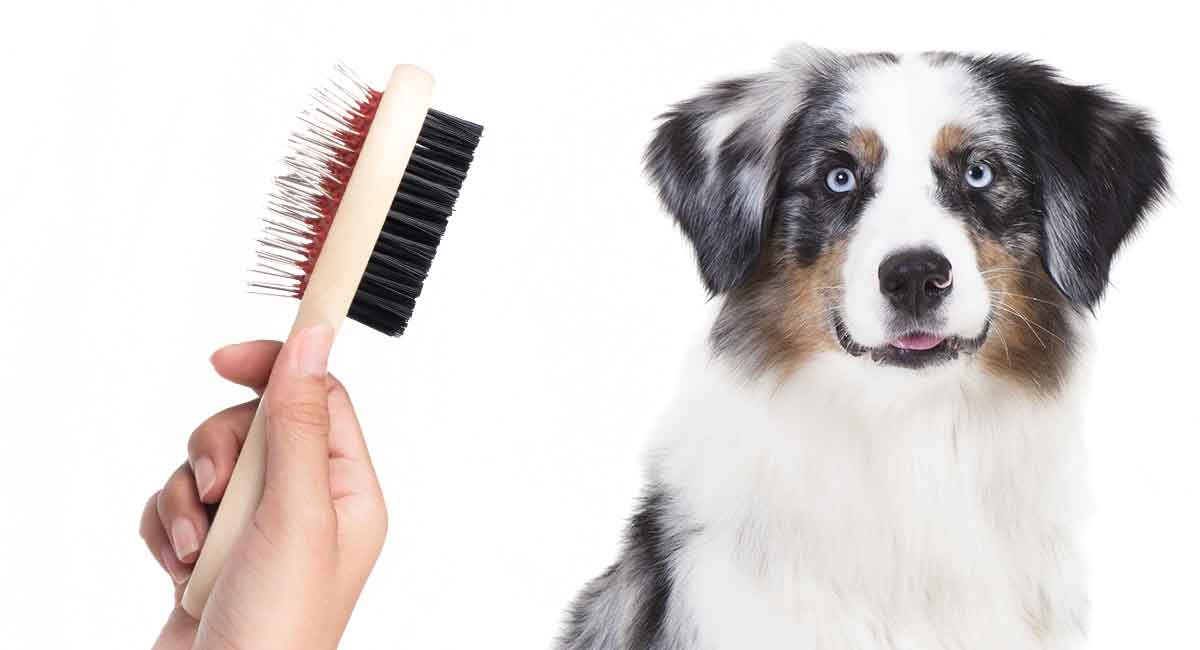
(352, 231)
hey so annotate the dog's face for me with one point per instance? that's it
(913, 211)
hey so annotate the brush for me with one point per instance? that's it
(352, 229)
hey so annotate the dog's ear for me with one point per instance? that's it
(1097, 167)
(714, 160)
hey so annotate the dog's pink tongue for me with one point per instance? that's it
(918, 342)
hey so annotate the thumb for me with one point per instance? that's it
(297, 420)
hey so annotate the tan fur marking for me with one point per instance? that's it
(951, 139)
(782, 315)
(867, 147)
(1030, 335)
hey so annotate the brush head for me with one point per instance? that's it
(305, 200)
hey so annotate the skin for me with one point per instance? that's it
(293, 578)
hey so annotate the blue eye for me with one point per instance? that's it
(840, 180)
(979, 175)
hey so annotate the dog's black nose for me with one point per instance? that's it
(915, 281)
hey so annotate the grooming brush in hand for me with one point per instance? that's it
(354, 225)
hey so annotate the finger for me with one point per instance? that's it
(213, 449)
(345, 434)
(348, 453)
(151, 530)
(297, 421)
(182, 515)
(247, 364)
(357, 497)
(155, 536)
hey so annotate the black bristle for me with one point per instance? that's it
(415, 224)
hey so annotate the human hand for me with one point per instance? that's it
(294, 576)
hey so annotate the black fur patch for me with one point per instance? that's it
(1096, 167)
(714, 201)
(626, 607)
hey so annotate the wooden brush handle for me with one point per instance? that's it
(327, 297)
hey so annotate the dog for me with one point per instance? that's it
(878, 445)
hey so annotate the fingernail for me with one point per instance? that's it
(205, 475)
(183, 537)
(178, 575)
(314, 346)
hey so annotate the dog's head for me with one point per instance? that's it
(909, 210)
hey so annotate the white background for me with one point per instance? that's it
(506, 425)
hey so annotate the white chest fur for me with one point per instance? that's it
(865, 507)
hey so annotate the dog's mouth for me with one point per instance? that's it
(914, 349)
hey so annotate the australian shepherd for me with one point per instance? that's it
(878, 444)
